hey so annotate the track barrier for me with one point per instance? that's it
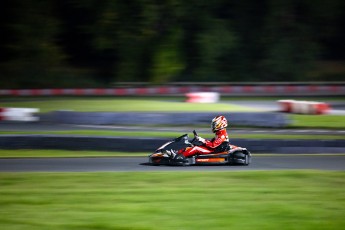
(202, 97)
(303, 107)
(226, 89)
(18, 114)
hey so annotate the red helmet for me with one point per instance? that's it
(218, 123)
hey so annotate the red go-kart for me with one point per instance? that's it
(227, 154)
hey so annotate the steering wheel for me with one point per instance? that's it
(195, 137)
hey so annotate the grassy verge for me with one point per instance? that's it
(176, 134)
(203, 200)
(94, 104)
(317, 121)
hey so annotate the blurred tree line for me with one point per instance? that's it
(90, 43)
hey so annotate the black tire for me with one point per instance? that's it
(239, 156)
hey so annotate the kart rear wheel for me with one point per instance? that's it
(239, 158)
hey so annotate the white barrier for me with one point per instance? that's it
(303, 107)
(202, 97)
(18, 114)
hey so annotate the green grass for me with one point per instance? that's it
(284, 200)
(318, 121)
(176, 134)
(93, 104)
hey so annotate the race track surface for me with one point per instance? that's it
(133, 164)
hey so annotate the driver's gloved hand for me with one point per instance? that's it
(201, 139)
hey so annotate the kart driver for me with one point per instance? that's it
(217, 144)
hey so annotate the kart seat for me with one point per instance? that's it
(224, 147)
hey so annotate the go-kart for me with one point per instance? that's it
(228, 154)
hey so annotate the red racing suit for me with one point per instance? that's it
(209, 146)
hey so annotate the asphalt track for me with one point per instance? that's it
(139, 164)
(128, 164)
(41, 127)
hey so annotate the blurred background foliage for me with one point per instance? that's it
(90, 43)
